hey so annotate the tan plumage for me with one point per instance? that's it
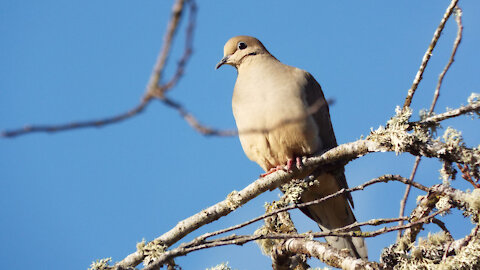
(267, 93)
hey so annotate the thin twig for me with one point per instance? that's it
(467, 176)
(458, 39)
(458, 19)
(187, 52)
(403, 202)
(153, 87)
(428, 54)
(431, 120)
(345, 153)
(205, 130)
(242, 239)
(76, 125)
(442, 226)
(384, 179)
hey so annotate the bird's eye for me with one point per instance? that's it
(242, 45)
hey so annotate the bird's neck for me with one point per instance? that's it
(254, 62)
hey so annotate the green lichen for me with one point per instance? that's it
(281, 222)
(234, 200)
(394, 133)
(473, 99)
(102, 264)
(151, 251)
(222, 266)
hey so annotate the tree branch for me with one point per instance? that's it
(323, 252)
(154, 87)
(403, 202)
(184, 249)
(428, 53)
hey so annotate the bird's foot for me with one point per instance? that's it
(298, 163)
(288, 168)
(272, 170)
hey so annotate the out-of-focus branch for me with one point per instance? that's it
(428, 53)
(155, 79)
(205, 130)
(76, 125)
(154, 87)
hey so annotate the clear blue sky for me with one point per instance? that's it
(69, 198)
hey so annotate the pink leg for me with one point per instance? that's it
(289, 165)
(299, 163)
(272, 170)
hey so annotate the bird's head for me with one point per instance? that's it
(238, 48)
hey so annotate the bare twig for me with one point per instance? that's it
(458, 39)
(154, 88)
(442, 226)
(259, 186)
(76, 125)
(467, 176)
(403, 202)
(458, 19)
(205, 130)
(473, 107)
(428, 53)
(242, 239)
(192, 120)
(187, 52)
(457, 245)
(344, 153)
(381, 179)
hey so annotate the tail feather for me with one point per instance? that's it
(333, 213)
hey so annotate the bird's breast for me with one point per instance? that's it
(271, 116)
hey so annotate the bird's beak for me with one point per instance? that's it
(223, 61)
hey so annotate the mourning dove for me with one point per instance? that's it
(266, 97)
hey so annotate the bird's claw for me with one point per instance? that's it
(298, 164)
(272, 170)
(290, 162)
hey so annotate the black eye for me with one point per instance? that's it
(242, 45)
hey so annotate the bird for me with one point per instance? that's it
(267, 96)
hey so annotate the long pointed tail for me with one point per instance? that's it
(333, 213)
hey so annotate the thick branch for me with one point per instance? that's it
(343, 153)
(323, 252)
(184, 249)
